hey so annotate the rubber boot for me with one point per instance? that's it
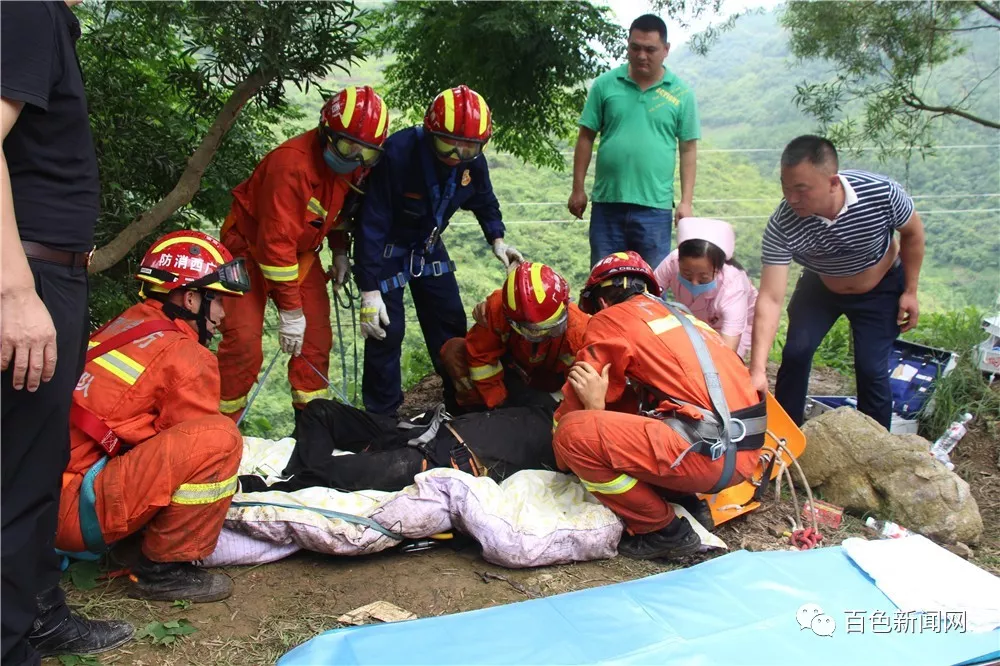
(171, 581)
(57, 631)
(698, 508)
(675, 540)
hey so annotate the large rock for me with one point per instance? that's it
(856, 464)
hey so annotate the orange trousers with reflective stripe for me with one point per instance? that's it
(240, 352)
(602, 446)
(176, 487)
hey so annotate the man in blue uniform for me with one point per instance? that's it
(425, 175)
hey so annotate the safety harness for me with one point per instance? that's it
(439, 200)
(86, 420)
(713, 435)
(105, 438)
(438, 452)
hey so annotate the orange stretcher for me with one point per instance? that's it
(740, 499)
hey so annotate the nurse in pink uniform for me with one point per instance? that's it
(702, 274)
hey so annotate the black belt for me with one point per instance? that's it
(41, 252)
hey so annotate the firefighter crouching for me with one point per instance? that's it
(656, 402)
(526, 337)
(149, 449)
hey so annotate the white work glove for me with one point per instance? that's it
(341, 268)
(509, 256)
(373, 315)
(291, 330)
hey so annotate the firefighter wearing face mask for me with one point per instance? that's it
(526, 337)
(149, 449)
(427, 173)
(300, 193)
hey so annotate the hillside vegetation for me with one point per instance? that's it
(745, 88)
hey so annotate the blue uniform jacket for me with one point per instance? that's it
(397, 210)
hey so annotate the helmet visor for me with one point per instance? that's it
(465, 151)
(231, 276)
(355, 151)
(536, 333)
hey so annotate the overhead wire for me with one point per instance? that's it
(958, 211)
(864, 149)
(765, 199)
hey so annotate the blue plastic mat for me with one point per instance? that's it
(736, 609)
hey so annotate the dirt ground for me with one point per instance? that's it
(280, 605)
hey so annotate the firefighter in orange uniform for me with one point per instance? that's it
(149, 449)
(656, 402)
(527, 334)
(280, 215)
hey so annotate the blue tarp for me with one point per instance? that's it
(736, 609)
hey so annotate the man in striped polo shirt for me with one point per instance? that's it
(839, 226)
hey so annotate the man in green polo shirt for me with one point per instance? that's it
(644, 114)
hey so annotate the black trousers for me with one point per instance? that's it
(34, 440)
(442, 317)
(505, 441)
(812, 311)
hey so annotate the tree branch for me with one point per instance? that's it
(992, 10)
(915, 102)
(188, 183)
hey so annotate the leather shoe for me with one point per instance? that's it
(75, 635)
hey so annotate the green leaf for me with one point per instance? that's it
(84, 574)
(185, 629)
(183, 604)
(166, 633)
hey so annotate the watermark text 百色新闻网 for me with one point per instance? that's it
(811, 616)
(904, 622)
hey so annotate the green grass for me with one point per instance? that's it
(965, 388)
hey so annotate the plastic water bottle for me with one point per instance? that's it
(887, 529)
(946, 442)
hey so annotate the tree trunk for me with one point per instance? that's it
(189, 182)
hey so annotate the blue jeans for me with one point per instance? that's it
(617, 227)
(812, 311)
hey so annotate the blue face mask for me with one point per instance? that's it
(337, 163)
(697, 289)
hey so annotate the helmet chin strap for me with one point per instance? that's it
(175, 311)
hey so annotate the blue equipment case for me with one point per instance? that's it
(913, 371)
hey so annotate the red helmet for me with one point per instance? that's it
(535, 300)
(192, 260)
(614, 270)
(355, 122)
(459, 115)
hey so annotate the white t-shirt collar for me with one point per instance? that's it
(850, 198)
